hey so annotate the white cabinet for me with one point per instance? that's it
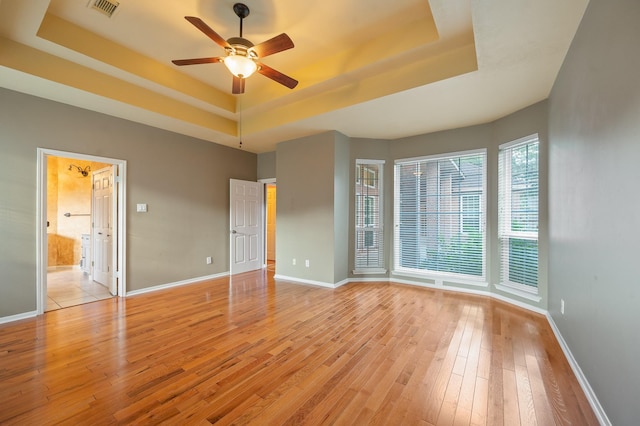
(85, 259)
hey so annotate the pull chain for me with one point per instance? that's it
(240, 122)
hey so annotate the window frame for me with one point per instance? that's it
(440, 276)
(365, 216)
(506, 235)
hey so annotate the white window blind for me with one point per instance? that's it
(518, 213)
(369, 235)
(440, 215)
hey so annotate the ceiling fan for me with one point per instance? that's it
(243, 57)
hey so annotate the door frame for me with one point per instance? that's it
(266, 182)
(41, 220)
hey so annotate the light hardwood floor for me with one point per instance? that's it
(247, 350)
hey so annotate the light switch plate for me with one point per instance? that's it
(141, 208)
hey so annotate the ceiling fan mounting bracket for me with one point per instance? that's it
(241, 10)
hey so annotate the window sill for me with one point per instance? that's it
(520, 293)
(370, 271)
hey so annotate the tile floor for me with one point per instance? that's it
(70, 287)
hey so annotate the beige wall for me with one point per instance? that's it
(68, 191)
(184, 181)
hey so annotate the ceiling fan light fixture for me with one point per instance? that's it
(240, 66)
(242, 56)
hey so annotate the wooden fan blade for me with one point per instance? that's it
(199, 24)
(277, 76)
(238, 85)
(273, 45)
(196, 61)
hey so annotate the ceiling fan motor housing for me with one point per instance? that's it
(241, 46)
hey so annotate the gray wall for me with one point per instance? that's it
(184, 181)
(267, 165)
(305, 207)
(325, 164)
(594, 134)
(341, 208)
(490, 136)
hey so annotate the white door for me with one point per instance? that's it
(103, 228)
(246, 223)
(271, 222)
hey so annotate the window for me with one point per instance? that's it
(518, 213)
(369, 237)
(440, 215)
(470, 213)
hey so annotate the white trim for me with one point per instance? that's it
(395, 257)
(369, 280)
(310, 282)
(582, 379)
(364, 161)
(267, 181)
(177, 284)
(518, 292)
(445, 278)
(18, 317)
(437, 286)
(520, 141)
(445, 155)
(41, 217)
(369, 271)
(518, 303)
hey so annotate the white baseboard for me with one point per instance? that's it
(584, 383)
(465, 290)
(310, 282)
(176, 284)
(18, 317)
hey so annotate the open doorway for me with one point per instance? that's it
(271, 226)
(81, 229)
(70, 261)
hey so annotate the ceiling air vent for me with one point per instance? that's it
(108, 7)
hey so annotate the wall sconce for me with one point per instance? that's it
(84, 172)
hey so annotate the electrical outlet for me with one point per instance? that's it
(562, 306)
(209, 260)
(294, 261)
(306, 263)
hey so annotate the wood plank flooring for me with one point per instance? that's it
(248, 350)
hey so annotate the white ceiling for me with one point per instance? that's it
(396, 79)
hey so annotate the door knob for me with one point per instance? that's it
(234, 232)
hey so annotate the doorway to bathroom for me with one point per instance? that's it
(81, 205)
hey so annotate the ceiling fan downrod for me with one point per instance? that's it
(242, 11)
